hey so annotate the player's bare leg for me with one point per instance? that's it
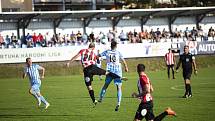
(119, 96)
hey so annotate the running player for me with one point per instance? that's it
(88, 61)
(113, 58)
(187, 60)
(32, 70)
(145, 109)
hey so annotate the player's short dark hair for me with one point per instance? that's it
(186, 46)
(140, 68)
(113, 44)
(91, 45)
(27, 59)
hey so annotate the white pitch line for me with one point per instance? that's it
(177, 86)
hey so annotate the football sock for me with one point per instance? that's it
(168, 73)
(91, 92)
(102, 93)
(43, 100)
(161, 116)
(119, 96)
(189, 88)
(173, 73)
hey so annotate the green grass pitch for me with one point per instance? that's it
(70, 101)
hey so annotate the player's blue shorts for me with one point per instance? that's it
(35, 88)
(117, 81)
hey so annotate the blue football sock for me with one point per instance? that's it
(43, 100)
(102, 93)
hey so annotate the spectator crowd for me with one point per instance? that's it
(152, 36)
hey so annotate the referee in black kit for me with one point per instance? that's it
(187, 60)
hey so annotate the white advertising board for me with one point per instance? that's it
(18, 55)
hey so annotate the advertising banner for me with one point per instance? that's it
(18, 55)
(199, 48)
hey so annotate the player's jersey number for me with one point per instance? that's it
(87, 57)
(112, 58)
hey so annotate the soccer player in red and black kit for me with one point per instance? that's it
(88, 60)
(170, 61)
(187, 60)
(145, 109)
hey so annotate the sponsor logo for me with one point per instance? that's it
(206, 47)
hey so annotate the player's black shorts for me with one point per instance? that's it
(145, 110)
(170, 66)
(187, 74)
(90, 71)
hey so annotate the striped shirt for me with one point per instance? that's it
(33, 73)
(113, 58)
(143, 80)
(169, 58)
(88, 57)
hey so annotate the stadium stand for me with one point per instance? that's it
(63, 28)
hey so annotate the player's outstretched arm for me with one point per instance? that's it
(73, 58)
(125, 65)
(43, 71)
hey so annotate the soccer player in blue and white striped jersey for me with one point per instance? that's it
(32, 71)
(113, 59)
